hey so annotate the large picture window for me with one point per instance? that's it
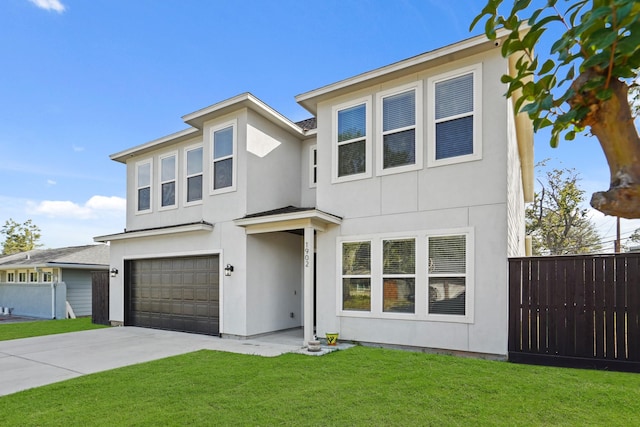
(223, 153)
(143, 186)
(168, 181)
(352, 146)
(447, 273)
(455, 117)
(194, 174)
(356, 276)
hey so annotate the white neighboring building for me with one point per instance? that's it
(388, 217)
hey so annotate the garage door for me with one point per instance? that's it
(178, 294)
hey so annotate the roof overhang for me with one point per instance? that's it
(55, 265)
(160, 231)
(174, 138)
(471, 46)
(244, 100)
(312, 218)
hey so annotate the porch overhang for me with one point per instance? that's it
(287, 219)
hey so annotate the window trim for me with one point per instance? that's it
(421, 276)
(234, 158)
(476, 71)
(11, 276)
(418, 90)
(355, 276)
(185, 187)
(22, 277)
(368, 173)
(173, 154)
(313, 166)
(138, 187)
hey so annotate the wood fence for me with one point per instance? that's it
(576, 311)
(100, 297)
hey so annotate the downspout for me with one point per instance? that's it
(53, 300)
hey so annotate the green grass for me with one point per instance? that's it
(360, 386)
(12, 331)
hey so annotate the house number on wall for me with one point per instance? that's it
(306, 254)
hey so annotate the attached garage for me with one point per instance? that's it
(178, 294)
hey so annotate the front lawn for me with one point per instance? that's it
(360, 386)
(12, 331)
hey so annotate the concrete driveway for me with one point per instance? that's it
(33, 362)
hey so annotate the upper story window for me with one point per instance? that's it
(168, 181)
(223, 150)
(143, 186)
(193, 171)
(400, 129)
(455, 115)
(352, 142)
(313, 166)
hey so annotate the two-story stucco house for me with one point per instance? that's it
(388, 217)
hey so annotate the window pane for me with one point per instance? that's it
(351, 158)
(194, 188)
(222, 173)
(447, 295)
(356, 294)
(223, 143)
(168, 167)
(399, 295)
(454, 138)
(169, 193)
(144, 198)
(144, 175)
(447, 255)
(399, 111)
(400, 149)
(454, 96)
(194, 161)
(356, 258)
(399, 256)
(352, 123)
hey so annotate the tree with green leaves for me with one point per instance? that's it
(19, 237)
(556, 220)
(584, 84)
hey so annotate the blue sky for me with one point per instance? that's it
(82, 79)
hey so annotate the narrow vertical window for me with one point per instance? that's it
(399, 275)
(399, 130)
(168, 181)
(143, 184)
(223, 153)
(356, 276)
(33, 277)
(194, 174)
(46, 277)
(313, 166)
(11, 277)
(447, 272)
(22, 277)
(351, 148)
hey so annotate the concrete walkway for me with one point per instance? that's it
(33, 362)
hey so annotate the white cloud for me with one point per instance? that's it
(77, 148)
(95, 207)
(49, 5)
(51, 182)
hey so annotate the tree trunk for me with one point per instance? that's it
(612, 123)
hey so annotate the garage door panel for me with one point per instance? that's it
(176, 294)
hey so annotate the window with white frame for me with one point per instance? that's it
(399, 129)
(223, 149)
(352, 143)
(143, 185)
(398, 275)
(193, 171)
(33, 276)
(356, 276)
(447, 275)
(455, 114)
(11, 276)
(22, 277)
(47, 276)
(168, 181)
(313, 166)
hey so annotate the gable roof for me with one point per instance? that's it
(82, 257)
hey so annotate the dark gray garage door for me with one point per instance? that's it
(178, 294)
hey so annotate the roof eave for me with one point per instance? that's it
(174, 138)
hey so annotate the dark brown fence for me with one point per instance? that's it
(100, 297)
(577, 311)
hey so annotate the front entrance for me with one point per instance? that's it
(178, 294)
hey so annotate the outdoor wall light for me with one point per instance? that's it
(113, 271)
(228, 270)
